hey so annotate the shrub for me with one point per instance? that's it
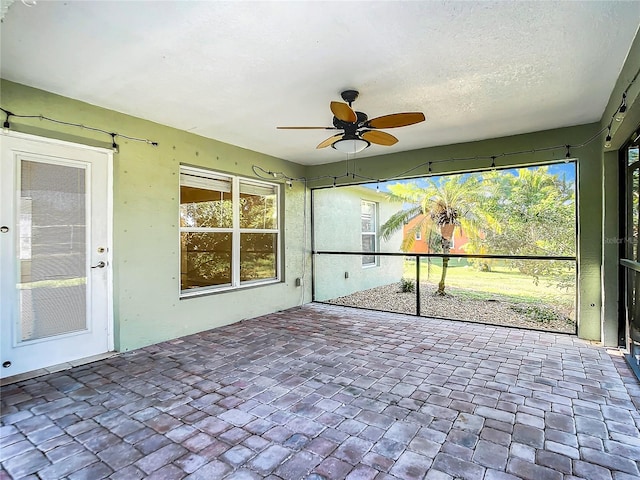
(407, 285)
(539, 314)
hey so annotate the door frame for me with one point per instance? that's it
(46, 141)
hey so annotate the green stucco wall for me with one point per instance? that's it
(147, 307)
(589, 160)
(612, 210)
(337, 225)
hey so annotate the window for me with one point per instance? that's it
(368, 215)
(418, 235)
(229, 231)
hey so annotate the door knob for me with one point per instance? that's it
(99, 265)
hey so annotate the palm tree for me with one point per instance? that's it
(444, 205)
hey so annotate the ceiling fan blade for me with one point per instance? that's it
(396, 120)
(306, 128)
(379, 138)
(330, 140)
(343, 112)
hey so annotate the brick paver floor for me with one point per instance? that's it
(326, 392)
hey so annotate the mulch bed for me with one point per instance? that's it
(495, 311)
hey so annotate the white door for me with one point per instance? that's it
(55, 252)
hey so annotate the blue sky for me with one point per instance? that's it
(559, 169)
(567, 168)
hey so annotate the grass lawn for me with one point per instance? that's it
(501, 282)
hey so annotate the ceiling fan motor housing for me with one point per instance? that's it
(348, 126)
(362, 117)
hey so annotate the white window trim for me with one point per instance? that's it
(374, 234)
(235, 231)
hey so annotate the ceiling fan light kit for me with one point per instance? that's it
(350, 145)
(359, 131)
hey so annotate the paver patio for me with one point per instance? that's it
(326, 392)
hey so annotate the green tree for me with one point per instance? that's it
(451, 202)
(536, 210)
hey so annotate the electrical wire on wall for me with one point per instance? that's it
(7, 126)
(491, 161)
(619, 114)
(271, 175)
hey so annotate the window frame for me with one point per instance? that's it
(373, 234)
(235, 230)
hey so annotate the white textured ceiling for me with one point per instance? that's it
(234, 71)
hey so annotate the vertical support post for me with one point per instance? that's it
(417, 285)
(312, 242)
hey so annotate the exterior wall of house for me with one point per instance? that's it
(337, 227)
(146, 250)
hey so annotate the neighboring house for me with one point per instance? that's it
(421, 238)
(348, 219)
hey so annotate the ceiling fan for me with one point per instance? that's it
(358, 131)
